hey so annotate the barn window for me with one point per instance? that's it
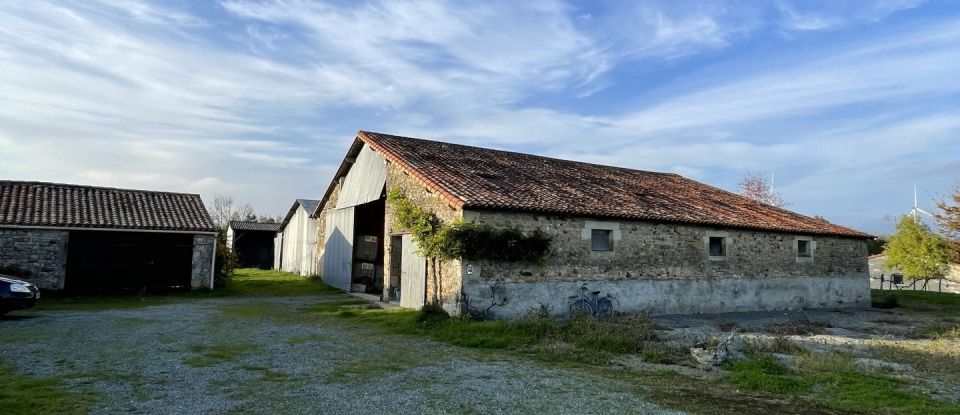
(804, 246)
(600, 240)
(718, 246)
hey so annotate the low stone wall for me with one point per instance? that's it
(204, 247)
(677, 296)
(42, 252)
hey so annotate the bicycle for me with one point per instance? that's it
(589, 303)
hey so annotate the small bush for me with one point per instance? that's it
(432, 313)
(225, 263)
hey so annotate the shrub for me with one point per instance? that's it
(225, 263)
(432, 313)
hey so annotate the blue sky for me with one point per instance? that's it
(851, 103)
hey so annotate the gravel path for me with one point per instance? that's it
(258, 355)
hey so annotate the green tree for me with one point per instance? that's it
(918, 251)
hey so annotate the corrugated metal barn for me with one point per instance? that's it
(253, 242)
(294, 247)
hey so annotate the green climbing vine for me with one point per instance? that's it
(465, 240)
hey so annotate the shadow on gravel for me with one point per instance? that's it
(16, 317)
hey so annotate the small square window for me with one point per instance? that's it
(803, 249)
(600, 239)
(717, 247)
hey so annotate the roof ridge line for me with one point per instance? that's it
(524, 154)
(89, 186)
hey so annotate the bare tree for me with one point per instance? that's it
(224, 209)
(755, 185)
(948, 219)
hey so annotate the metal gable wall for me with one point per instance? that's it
(365, 180)
(298, 242)
(338, 248)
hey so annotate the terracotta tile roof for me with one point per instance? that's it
(70, 205)
(239, 225)
(479, 178)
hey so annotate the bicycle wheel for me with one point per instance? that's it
(604, 308)
(581, 308)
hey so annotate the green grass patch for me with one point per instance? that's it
(585, 340)
(21, 394)
(764, 374)
(257, 282)
(246, 282)
(218, 353)
(924, 301)
(833, 380)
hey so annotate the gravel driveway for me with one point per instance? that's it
(262, 355)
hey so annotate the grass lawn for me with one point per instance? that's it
(245, 282)
(26, 395)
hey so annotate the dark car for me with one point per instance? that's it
(16, 294)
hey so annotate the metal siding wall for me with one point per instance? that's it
(299, 243)
(278, 250)
(338, 251)
(413, 275)
(364, 183)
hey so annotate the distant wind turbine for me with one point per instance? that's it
(916, 211)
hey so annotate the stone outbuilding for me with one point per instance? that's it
(652, 242)
(294, 247)
(252, 242)
(86, 238)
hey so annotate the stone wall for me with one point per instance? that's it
(40, 251)
(665, 268)
(646, 250)
(443, 281)
(204, 247)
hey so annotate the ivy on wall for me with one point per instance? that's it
(465, 240)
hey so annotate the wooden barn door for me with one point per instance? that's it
(413, 275)
(338, 248)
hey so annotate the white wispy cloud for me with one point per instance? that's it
(259, 98)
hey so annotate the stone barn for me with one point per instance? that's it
(252, 242)
(651, 242)
(295, 244)
(85, 238)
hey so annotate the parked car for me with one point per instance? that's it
(16, 294)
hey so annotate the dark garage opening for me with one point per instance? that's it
(254, 248)
(100, 261)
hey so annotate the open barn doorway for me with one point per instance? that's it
(103, 261)
(368, 247)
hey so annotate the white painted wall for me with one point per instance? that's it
(297, 244)
(679, 296)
